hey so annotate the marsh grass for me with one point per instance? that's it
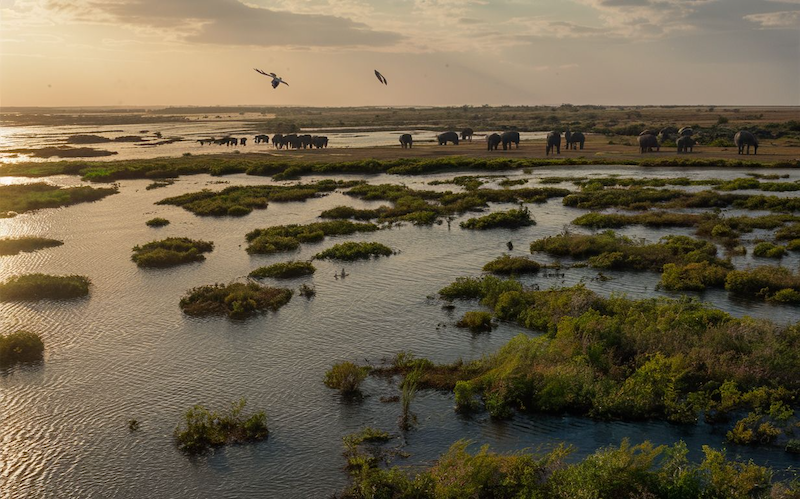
(511, 219)
(765, 282)
(289, 237)
(353, 250)
(769, 250)
(20, 346)
(284, 270)
(170, 252)
(476, 321)
(17, 245)
(512, 265)
(346, 377)
(693, 276)
(408, 392)
(236, 300)
(22, 198)
(157, 222)
(34, 287)
(202, 430)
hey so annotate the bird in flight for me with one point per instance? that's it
(381, 78)
(275, 79)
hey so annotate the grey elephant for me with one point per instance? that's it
(319, 141)
(305, 140)
(686, 131)
(743, 139)
(492, 141)
(262, 138)
(406, 140)
(647, 132)
(648, 142)
(291, 141)
(467, 133)
(574, 139)
(446, 137)
(243, 141)
(685, 144)
(509, 138)
(278, 141)
(553, 142)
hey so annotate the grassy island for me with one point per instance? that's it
(203, 430)
(21, 346)
(511, 219)
(27, 197)
(33, 287)
(236, 300)
(512, 265)
(289, 237)
(17, 245)
(157, 222)
(170, 252)
(352, 250)
(284, 270)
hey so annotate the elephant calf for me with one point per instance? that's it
(446, 137)
(406, 140)
(492, 141)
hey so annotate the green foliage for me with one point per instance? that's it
(20, 198)
(32, 287)
(170, 252)
(476, 321)
(284, 270)
(14, 246)
(762, 282)
(157, 222)
(203, 429)
(353, 250)
(487, 288)
(692, 276)
(346, 377)
(348, 212)
(21, 346)
(650, 219)
(788, 232)
(289, 237)
(512, 265)
(408, 390)
(511, 219)
(236, 300)
(769, 250)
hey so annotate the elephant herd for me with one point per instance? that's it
(291, 141)
(649, 140)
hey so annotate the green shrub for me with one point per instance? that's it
(32, 287)
(170, 252)
(512, 265)
(476, 321)
(793, 245)
(238, 211)
(769, 250)
(14, 246)
(692, 276)
(346, 377)
(284, 270)
(236, 300)
(762, 282)
(157, 222)
(202, 429)
(21, 346)
(786, 296)
(289, 237)
(352, 250)
(20, 198)
(788, 233)
(511, 219)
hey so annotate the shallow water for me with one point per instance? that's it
(127, 351)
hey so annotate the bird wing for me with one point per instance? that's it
(271, 75)
(380, 77)
(284, 83)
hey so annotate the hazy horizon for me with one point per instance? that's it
(106, 53)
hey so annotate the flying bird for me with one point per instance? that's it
(275, 79)
(381, 78)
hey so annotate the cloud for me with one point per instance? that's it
(776, 20)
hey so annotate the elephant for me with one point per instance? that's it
(206, 141)
(466, 134)
(220, 142)
(647, 143)
(492, 141)
(647, 132)
(319, 141)
(743, 139)
(291, 140)
(278, 141)
(305, 140)
(508, 138)
(243, 141)
(262, 138)
(685, 144)
(573, 139)
(686, 131)
(446, 137)
(406, 140)
(553, 141)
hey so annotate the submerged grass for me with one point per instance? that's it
(27, 197)
(203, 430)
(346, 377)
(33, 287)
(236, 300)
(284, 270)
(289, 237)
(20, 346)
(170, 252)
(353, 250)
(17, 245)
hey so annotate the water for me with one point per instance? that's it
(128, 352)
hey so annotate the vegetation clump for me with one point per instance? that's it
(32, 287)
(693, 276)
(21, 198)
(353, 250)
(157, 222)
(203, 430)
(236, 300)
(649, 219)
(346, 377)
(476, 321)
(170, 252)
(14, 246)
(20, 346)
(284, 270)
(289, 237)
(769, 250)
(515, 265)
(766, 282)
(511, 219)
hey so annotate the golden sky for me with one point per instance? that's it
(433, 52)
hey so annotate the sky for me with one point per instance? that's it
(433, 52)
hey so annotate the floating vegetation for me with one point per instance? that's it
(307, 291)
(237, 201)
(346, 377)
(476, 321)
(284, 270)
(288, 237)
(353, 250)
(157, 222)
(21, 346)
(202, 430)
(512, 182)
(511, 219)
(158, 184)
(33, 287)
(236, 300)
(21, 198)
(17, 245)
(766, 282)
(515, 265)
(170, 252)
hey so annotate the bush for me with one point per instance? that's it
(512, 265)
(692, 276)
(284, 270)
(769, 250)
(289, 237)
(170, 252)
(157, 222)
(20, 346)
(352, 250)
(236, 300)
(18, 245)
(32, 287)
(476, 321)
(511, 219)
(346, 377)
(203, 429)
(20, 198)
(762, 282)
